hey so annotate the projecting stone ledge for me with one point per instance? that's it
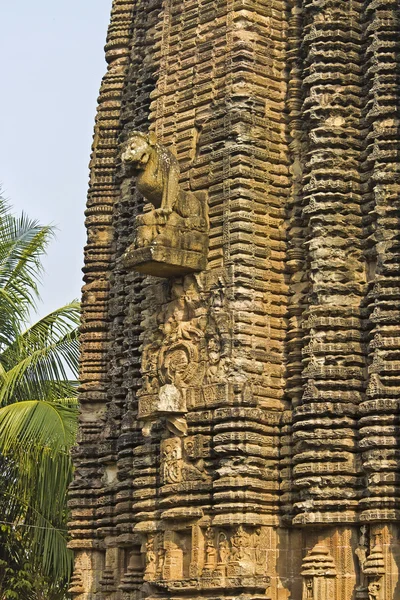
(161, 261)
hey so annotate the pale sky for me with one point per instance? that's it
(51, 65)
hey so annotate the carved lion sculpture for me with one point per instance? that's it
(157, 171)
(157, 167)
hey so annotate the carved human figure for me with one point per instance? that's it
(361, 553)
(181, 311)
(210, 550)
(150, 559)
(239, 544)
(160, 556)
(309, 589)
(193, 468)
(374, 588)
(223, 548)
(361, 550)
(214, 355)
(259, 551)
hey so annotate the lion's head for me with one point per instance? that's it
(138, 149)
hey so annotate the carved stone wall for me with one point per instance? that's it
(240, 420)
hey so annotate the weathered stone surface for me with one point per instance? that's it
(240, 410)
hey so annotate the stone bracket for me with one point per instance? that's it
(161, 261)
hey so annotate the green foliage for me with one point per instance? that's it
(38, 419)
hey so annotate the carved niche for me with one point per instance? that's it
(182, 460)
(248, 553)
(153, 552)
(177, 557)
(374, 570)
(232, 553)
(319, 573)
(171, 235)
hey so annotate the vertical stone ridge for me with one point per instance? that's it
(133, 461)
(103, 192)
(379, 432)
(295, 256)
(255, 181)
(220, 107)
(92, 496)
(219, 94)
(326, 470)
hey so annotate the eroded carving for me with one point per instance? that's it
(171, 235)
(210, 550)
(374, 569)
(223, 552)
(150, 571)
(361, 553)
(182, 460)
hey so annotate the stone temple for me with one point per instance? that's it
(240, 373)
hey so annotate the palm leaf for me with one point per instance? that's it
(38, 406)
(39, 424)
(22, 244)
(37, 437)
(47, 537)
(37, 363)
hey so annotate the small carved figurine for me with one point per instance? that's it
(223, 548)
(309, 589)
(374, 590)
(210, 550)
(150, 560)
(240, 542)
(160, 556)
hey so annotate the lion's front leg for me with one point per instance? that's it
(145, 235)
(162, 215)
(170, 190)
(149, 225)
(146, 229)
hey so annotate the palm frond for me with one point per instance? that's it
(42, 359)
(43, 374)
(38, 407)
(38, 425)
(45, 540)
(35, 438)
(22, 244)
